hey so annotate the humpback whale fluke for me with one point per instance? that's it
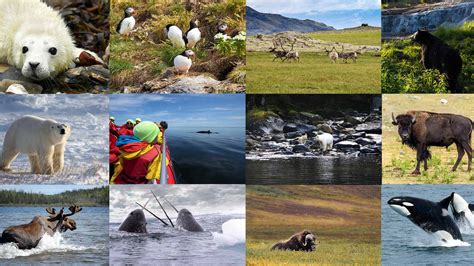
(432, 217)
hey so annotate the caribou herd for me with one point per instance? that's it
(283, 49)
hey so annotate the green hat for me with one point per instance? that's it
(146, 131)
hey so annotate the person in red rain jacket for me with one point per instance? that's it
(140, 155)
(114, 151)
(127, 128)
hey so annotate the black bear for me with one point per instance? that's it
(438, 55)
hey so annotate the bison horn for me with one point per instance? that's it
(394, 121)
(413, 120)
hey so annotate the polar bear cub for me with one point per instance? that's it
(43, 140)
(325, 141)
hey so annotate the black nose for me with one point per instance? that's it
(34, 65)
(63, 131)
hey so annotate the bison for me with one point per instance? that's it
(302, 241)
(436, 54)
(420, 130)
(27, 236)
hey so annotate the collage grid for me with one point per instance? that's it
(240, 132)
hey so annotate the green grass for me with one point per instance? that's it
(117, 65)
(346, 221)
(398, 161)
(357, 36)
(315, 73)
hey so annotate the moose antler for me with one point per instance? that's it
(56, 216)
(73, 209)
(51, 211)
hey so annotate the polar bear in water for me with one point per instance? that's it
(34, 38)
(43, 140)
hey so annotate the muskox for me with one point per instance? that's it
(302, 241)
(27, 236)
(419, 130)
(438, 55)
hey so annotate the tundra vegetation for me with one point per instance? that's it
(346, 221)
(398, 161)
(315, 72)
(143, 62)
(402, 71)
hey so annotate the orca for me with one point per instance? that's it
(462, 211)
(432, 217)
(134, 223)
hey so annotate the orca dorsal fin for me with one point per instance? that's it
(445, 202)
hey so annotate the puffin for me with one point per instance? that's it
(175, 35)
(193, 35)
(182, 62)
(224, 29)
(126, 25)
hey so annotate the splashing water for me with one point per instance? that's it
(233, 232)
(48, 243)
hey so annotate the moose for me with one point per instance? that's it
(420, 130)
(284, 54)
(27, 236)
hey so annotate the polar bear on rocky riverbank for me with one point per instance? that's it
(43, 140)
(34, 38)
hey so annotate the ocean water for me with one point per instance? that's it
(222, 243)
(363, 170)
(88, 244)
(404, 243)
(208, 158)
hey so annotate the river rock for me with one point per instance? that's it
(347, 145)
(367, 150)
(364, 141)
(30, 88)
(290, 127)
(324, 128)
(300, 149)
(267, 125)
(352, 121)
(292, 135)
(312, 118)
(16, 89)
(278, 138)
(369, 127)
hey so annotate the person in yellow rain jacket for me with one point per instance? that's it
(140, 155)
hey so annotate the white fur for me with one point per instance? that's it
(33, 24)
(302, 139)
(325, 141)
(40, 139)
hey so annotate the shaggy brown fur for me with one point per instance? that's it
(302, 241)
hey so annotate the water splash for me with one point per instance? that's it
(435, 241)
(233, 233)
(48, 243)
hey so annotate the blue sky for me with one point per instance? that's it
(181, 110)
(339, 14)
(46, 189)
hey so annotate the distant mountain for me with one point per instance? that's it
(263, 23)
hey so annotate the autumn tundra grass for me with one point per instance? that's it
(398, 161)
(345, 219)
(315, 73)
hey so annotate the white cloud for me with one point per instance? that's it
(199, 199)
(310, 6)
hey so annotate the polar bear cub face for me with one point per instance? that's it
(60, 132)
(39, 57)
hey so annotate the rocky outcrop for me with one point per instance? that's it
(405, 21)
(354, 134)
